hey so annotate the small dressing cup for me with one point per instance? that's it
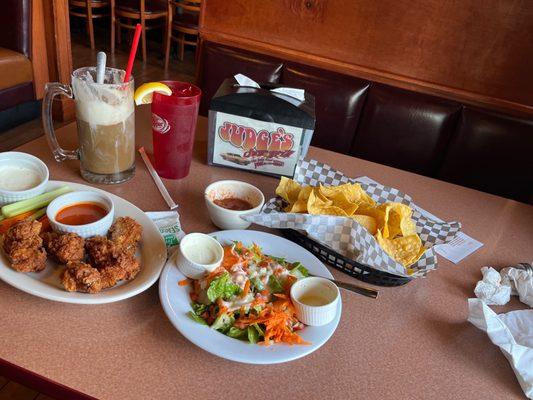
(198, 253)
(315, 300)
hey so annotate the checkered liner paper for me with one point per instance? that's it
(346, 236)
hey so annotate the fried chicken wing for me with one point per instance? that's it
(34, 260)
(124, 267)
(23, 246)
(64, 247)
(81, 277)
(126, 234)
(100, 250)
(24, 230)
(14, 246)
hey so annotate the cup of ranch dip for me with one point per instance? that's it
(22, 176)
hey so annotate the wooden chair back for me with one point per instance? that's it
(187, 6)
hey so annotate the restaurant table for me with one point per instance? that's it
(413, 342)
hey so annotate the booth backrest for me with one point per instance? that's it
(15, 26)
(417, 132)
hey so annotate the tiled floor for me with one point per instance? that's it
(14, 391)
(82, 55)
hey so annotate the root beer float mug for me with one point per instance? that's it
(105, 117)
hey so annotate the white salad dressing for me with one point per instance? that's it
(18, 178)
(200, 254)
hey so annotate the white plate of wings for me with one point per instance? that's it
(47, 284)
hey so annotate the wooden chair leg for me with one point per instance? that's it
(90, 23)
(119, 32)
(182, 45)
(196, 49)
(168, 41)
(143, 36)
(113, 23)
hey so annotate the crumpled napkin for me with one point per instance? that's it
(496, 287)
(512, 332)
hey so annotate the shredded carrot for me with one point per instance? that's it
(212, 275)
(277, 320)
(9, 222)
(230, 258)
(246, 289)
(183, 282)
(221, 307)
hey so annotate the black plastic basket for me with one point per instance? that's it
(344, 264)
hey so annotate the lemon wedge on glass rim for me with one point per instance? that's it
(144, 93)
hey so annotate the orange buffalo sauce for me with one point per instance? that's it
(81, 213)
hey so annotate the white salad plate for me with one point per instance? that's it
(176, 303)
(152, 254)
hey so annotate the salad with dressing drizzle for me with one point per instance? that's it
(247, 297)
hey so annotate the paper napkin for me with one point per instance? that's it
(513, 334)
(497, 287)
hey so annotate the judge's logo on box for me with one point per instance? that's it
(260, 148)
(264, 144)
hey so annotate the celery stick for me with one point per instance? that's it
(34, 203)
(38, 214)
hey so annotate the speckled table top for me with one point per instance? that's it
(413, 342)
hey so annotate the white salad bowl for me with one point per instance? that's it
(15, 159)
(231, 219)
(176, 302)
(99, 227)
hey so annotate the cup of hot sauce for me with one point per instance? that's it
(85, 213)
(227, 201)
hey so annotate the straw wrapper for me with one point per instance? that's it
(346, 236)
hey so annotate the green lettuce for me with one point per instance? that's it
(237, 333)
(222, 287)
(254, 333)
(199, 308)
(298, 270)
(196, 318)
(258, 285)
(275, 285)
(223, 323)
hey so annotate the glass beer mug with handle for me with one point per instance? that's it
(105, 117)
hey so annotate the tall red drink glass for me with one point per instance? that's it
(173, 128)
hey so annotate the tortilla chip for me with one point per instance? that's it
(399, 222)
(288, 190)
(367, 222)
(317, 204)
(406, 250)
(339, 199)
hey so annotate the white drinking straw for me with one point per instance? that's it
(157, 180)
(100, 66)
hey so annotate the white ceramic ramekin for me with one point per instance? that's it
(231, 219)
(310, 314)
(99, 227)
(198, 253)
(18, 159)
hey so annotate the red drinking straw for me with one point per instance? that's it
(133, 52)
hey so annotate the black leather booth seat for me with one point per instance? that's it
(425, 134)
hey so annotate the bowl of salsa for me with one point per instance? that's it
(227, 201)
